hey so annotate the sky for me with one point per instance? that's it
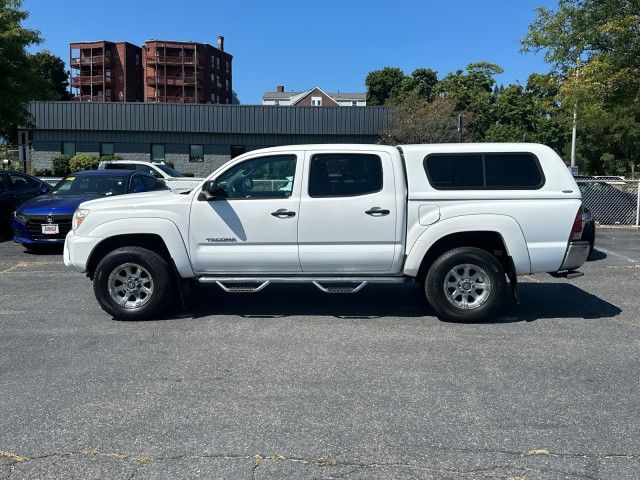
(330, 44)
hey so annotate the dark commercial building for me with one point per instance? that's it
(106, 71)
(187, 72)
(196, 138)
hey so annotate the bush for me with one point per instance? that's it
(61, 165)
(45, 172)
(108, 158)
(84, 161)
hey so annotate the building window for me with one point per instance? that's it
(107, 149)
(218, 63)
(237, 150)
(316, 101)
(354, 103)
(69, 148)
(157, 152)
(228, 66)
(196, 153)
(227, 83)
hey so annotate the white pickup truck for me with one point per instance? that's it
(463, 220)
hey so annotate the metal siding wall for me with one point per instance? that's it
(232, 119)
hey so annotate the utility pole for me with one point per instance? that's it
(574, 132)
(460, 127)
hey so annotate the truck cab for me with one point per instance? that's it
(460, 219)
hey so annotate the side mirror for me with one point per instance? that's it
(44, 188)
(211, 191)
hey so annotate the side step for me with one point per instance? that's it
(568, 274)
(324, 284)
(244, 289)
(340, 289)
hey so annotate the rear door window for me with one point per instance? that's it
(22, 182)
(344, 174)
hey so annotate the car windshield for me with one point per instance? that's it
(91, 185)
(169, 171)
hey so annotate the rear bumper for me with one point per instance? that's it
(577, 253)
(575, 256)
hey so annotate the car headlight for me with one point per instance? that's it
(78, 217)
(20, 217)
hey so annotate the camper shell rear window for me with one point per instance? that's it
(484, 171)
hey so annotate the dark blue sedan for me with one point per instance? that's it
(46, 219)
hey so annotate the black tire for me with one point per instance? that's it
(157, 303)
(439, 272)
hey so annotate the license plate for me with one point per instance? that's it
(50, 229)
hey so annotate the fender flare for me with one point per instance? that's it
(507, 227)
(164, 228)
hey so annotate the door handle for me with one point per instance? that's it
(377, 212)
(283, 213)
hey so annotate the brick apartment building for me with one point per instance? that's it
(161, 71)
(105, 71)
(186, 72)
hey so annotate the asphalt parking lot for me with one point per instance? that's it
(291, 383)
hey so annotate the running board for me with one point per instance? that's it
(256, 284)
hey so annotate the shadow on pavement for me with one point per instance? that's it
(557, 300)
(41, 250)
(538, 301)
(596, 255)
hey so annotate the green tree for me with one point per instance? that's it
(416, 120)
(19, 83)
(421, 82)
(51, 69)
(473, 91)
(380, 83)
(594, 46)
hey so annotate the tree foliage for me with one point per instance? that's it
(594, 45)
(417, 120)
(51, 68)
(19, 82)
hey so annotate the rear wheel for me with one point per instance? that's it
(465, 285)
(133, 283)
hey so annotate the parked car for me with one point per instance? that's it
(155, 169)
(459, 219)
(46, 219)
(15, 189)
(609, 204)
(589, 230)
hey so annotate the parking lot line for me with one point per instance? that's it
(619, 255)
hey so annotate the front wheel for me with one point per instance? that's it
(133, 283)
(465, 285)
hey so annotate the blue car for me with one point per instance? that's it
(46, 219)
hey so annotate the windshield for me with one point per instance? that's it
(91, 185)
(169, 171)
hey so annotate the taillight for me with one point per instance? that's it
(578, 226)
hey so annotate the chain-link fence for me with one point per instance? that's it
(612, 200)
